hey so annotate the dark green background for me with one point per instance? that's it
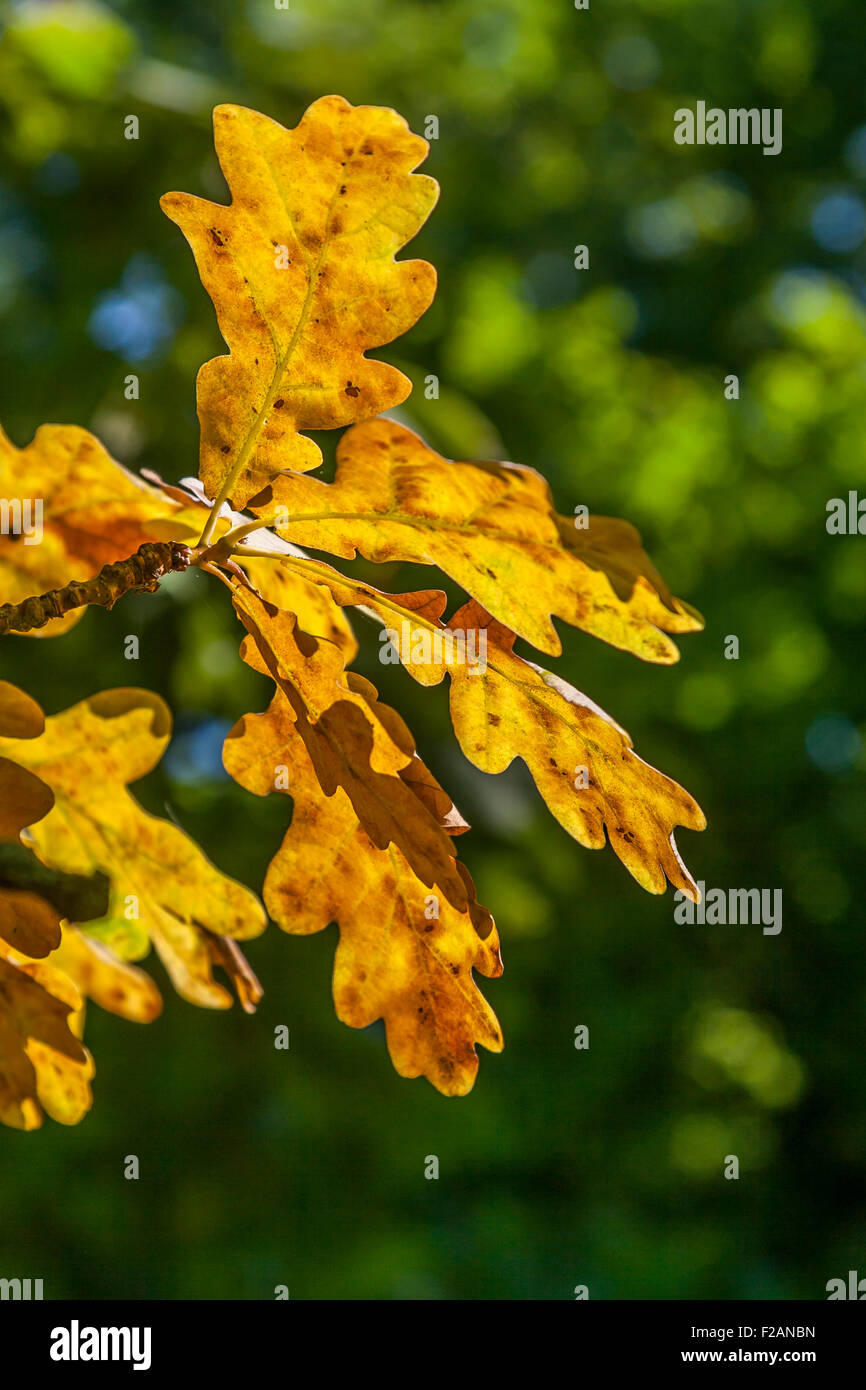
(563, 1167)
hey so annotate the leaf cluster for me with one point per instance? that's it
(302, 271)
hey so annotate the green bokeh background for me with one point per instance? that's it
(601, 1167)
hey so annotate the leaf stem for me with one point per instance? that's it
(238, 532)
(210, 523)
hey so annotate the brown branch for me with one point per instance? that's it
(141, 571)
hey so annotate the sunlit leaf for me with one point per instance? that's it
(87, 755)
(492, 528)
(110, 982)
(504, 707)
(405, 955)
(76, 510)
(300, 267)
(353, 741)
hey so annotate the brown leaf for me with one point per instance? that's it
(27, 921)
(43, 1065)
(228, 955)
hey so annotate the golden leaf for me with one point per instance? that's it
(93, 512)
(312, 605)
(492, 528)
(87, 755)
(404, 955)
(300, 267)
(353, 742)
(110, 982)
(502, 707)
(582, 762)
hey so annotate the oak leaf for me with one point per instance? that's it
(493, 529)
(93, 512)
(87, 755)
(404, 955)
(111, 983)
(504, 707)
(300, 267)
(582, 762)
(353, 741)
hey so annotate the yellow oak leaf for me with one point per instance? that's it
(43, 1064)
(503, 707)
(300, 267)
(72, 509)
(353, 742)
(110, 982)
(493, 529)
(582, 762)
(87, 755)
(404, 955)
(315, 610)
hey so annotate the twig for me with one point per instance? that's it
(141, 571)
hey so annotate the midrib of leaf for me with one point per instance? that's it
(467, 528)
(252, 436)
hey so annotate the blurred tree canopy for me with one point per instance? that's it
(555, 129)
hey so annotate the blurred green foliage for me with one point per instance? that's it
(604, 1166)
